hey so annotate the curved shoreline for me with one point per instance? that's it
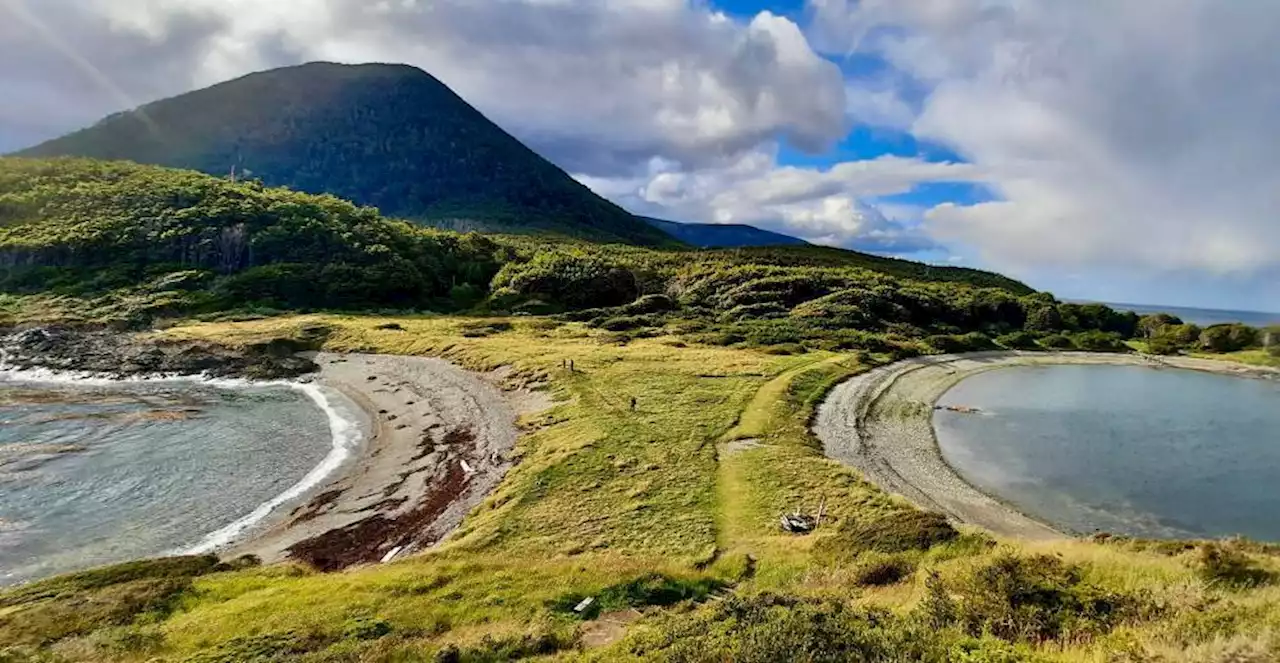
(347, 437)
(415, 444)
(881, 423)
(438, 439)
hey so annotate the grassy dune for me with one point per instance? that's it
(671, 509)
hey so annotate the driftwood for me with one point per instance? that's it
(798, 522)
(962, 409)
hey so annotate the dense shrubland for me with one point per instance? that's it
(1167, 335)
(85, 228)
(119, 242)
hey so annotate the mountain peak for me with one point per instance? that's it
(391, 136)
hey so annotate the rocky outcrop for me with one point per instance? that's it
(117, 354)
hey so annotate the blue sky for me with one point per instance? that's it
(1082, 148)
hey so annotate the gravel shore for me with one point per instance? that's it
(881, 422)
(439, 439)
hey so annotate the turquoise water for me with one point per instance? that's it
(1122, 449)
(104, 473)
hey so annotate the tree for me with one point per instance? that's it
(1150, 326)
(1228, 338)
(1045, 318)
(1163, 345)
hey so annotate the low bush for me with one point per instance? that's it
(946, 343)
(649, 589)
(1018, 341)
(93, 579)
(1227, 565)
(950, 343)
(785, 349)
(899, 531)
(1058, 342)
(627, 322)
(1030, 599)
(483, 328)
(1228, 338)
(281, 646)
(112, 596)
(1163, 345)
(1097, 341)
(881, 571)
(499, 650)
(766, 628)
(649, 304)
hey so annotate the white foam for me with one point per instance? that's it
(345, 433)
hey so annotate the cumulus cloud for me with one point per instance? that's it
(667, 106)
(598, 87)
(61, 68)
(823, 206)
(1117, 135)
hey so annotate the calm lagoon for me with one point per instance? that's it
(1123, 449)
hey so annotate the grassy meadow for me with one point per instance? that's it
(668, 517)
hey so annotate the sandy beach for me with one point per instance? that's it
(438, 439)
(881, 422)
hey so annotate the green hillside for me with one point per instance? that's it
(122, 242)
(654, 483)
(76, 226)
(387, 136)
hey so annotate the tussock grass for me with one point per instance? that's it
(659, 509)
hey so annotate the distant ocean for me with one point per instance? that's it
(1203, 316)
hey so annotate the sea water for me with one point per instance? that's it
(94, 472)
(1205, 316)
(1124, 449)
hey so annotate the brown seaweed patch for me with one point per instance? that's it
(459, 436)
(366, 541)
(318, 504)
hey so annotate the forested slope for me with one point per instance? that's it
(77, 226)
(121, 240)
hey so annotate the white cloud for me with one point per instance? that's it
(665, 105)
(599, 87)
(1130, 136)
(822, 206)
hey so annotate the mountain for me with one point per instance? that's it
(387, 136)
(726, 236)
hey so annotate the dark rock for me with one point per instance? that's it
(118, 354)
